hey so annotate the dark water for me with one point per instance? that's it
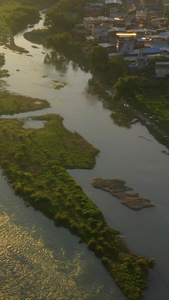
(50, 258)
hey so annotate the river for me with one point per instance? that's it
(41, 261)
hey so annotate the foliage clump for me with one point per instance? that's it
(21, 16)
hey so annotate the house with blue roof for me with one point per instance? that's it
(150, 51)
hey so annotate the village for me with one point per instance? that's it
(136, 31)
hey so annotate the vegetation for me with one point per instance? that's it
(18, 18)
(98, 58)
(126, 273)
(64, 44)
(15, 15)
(56, 18)
(147, 95)
(3, 72)
(118, 67)
(59, 84)
(35, 163)
(2, 60)
(11, 104)
(127, 87)
(38, 36)
(166, 14)
(143, 91)
(61, 41)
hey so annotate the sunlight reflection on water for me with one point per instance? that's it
(30, 271)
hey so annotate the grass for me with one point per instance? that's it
(158, 107)
(11, 104)
(59, 84)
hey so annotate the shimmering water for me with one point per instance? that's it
(41, 261)
(52, 257)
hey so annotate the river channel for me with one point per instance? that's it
(41, 261)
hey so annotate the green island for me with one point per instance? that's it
(35, 160)
(11, 103)
(35, 163)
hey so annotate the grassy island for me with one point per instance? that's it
(11, 104)
(35, 162)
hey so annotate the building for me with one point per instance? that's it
(150, 51)
(94, 9)
(162, 69)
(109, 46)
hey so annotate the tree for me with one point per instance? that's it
(62, 42)
(127, 87)
(118, 67)
(56, 16)
(21, 16)
(166, 14)
(152, 61)
(57, 21)
(98, 58)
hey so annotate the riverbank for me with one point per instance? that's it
(124, 115)
(151, 111)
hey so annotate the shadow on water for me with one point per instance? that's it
(59, 61)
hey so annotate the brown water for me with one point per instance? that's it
(36, 247)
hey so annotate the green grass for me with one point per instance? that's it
(59, 84)
(158, 107)
(11, 104)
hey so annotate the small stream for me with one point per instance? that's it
(41, 261)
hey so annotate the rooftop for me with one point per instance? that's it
(162, 63)
(150, 51)
(113, 2)
(106, 45)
